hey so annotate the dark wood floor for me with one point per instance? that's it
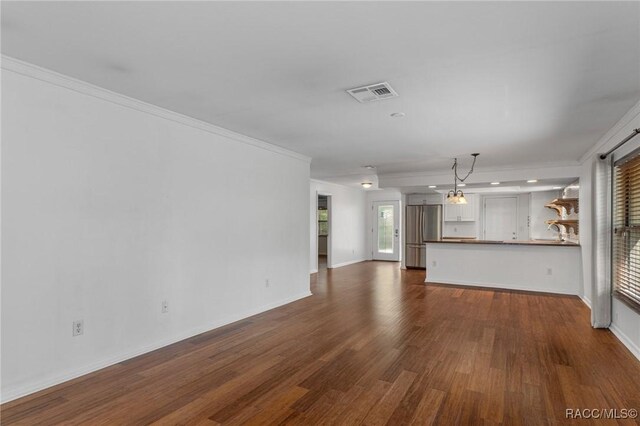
(374, 345)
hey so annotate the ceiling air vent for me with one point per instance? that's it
(373, 92)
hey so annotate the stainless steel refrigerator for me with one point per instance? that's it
(422, 223)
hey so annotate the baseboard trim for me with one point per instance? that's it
(313, 271)
(20, 391)
(625, 340)
(501, 286)
(586, 301)
(351, 262)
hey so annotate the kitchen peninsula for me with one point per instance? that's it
(535, 265)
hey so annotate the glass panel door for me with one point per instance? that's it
(386, 232)
(385, 229)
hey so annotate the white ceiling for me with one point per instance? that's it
(520, 82)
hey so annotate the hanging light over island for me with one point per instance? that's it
(456, 196)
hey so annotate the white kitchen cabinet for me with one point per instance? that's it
(451, 212)
(462, 212)
(420, 199)
(416, 199)
(468, 211)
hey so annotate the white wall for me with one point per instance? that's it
(347, 223)
(540, 214)
(626, 322)
(111, 206)
(555, 269)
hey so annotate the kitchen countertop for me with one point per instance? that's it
(508, 242)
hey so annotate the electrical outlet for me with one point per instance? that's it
(165, 306)
(267, 283)
(549, 271)
(78, 328)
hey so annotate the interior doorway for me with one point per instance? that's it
(386, 230)
(323, 218)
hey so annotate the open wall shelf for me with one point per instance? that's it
(566, 223)
(564, 208)
(567, 203)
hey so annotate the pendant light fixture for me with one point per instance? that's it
(456, 196)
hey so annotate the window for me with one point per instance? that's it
(626, 230)
(385, 229)
(323, 224)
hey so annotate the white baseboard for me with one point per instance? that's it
(56, 379)
(351, 262)
(502, 286)
(633, 348)
(586, 301)
(313, 271)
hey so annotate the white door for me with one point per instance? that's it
(500, 218)
(385, 230)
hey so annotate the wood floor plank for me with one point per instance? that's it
(388, 403)
(373, 345)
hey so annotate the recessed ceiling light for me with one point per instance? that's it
(369, 167)
(432, 186)
(366, 184)
(495, 183)
(398, 114)
(462, 184)
(532, 180)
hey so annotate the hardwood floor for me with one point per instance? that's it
(373, 345)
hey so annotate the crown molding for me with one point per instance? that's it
(600, 146)
(61, 80)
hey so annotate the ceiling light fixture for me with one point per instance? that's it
(495, 183)
(557, 187)
(369, 167)
(456, 196)
(398, 114)
(532, 180)
(366, 184)
(432, 186)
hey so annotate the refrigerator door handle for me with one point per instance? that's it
(422, 224)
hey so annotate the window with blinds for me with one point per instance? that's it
(626, 230)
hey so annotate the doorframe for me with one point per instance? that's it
(329, 228)
(374, 221)
(484, 209)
